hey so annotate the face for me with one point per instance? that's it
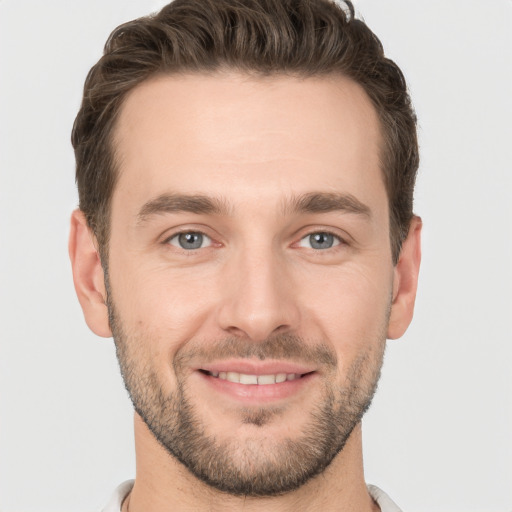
(250, 276)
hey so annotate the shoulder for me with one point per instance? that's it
(116, 500)
(385, 503)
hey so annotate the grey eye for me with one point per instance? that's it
(190, 240)
(320, 241)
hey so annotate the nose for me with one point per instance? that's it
(258, 296)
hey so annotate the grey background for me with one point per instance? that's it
(439, 435)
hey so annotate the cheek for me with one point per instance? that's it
(158, 314)
(351, 309)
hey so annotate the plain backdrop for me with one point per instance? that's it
(439, 435)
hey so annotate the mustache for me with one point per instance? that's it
(279, 346)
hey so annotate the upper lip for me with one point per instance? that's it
(256, 367)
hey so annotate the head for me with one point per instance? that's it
(245, 171)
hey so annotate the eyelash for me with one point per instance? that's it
(338, 240)
(167, 241)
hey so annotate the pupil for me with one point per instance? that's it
(191, 240)
(321, 241)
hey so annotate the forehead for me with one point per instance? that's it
(223, 134)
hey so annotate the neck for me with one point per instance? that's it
(163, 484)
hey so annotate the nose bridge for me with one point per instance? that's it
(259, 299)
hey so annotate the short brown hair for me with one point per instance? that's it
(296, 37)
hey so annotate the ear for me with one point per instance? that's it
(88, 275)
(405, 281)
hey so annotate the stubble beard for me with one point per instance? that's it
(258, 467)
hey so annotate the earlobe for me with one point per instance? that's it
(405, 281)
(88, 275)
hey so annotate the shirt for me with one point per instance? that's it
(380, 497)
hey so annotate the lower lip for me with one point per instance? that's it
(256, 393)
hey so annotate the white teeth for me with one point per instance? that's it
(248, 379)
(233, 377)
(243, 378)
(267, 379)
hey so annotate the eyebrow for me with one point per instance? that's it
(314, 202)
(325, 202)
(178, 203)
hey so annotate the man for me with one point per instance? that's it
(246, 235)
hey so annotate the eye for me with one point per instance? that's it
(190, 240)
(319, 241)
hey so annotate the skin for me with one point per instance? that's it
(254, 144)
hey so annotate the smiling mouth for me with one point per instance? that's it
(261, 380)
